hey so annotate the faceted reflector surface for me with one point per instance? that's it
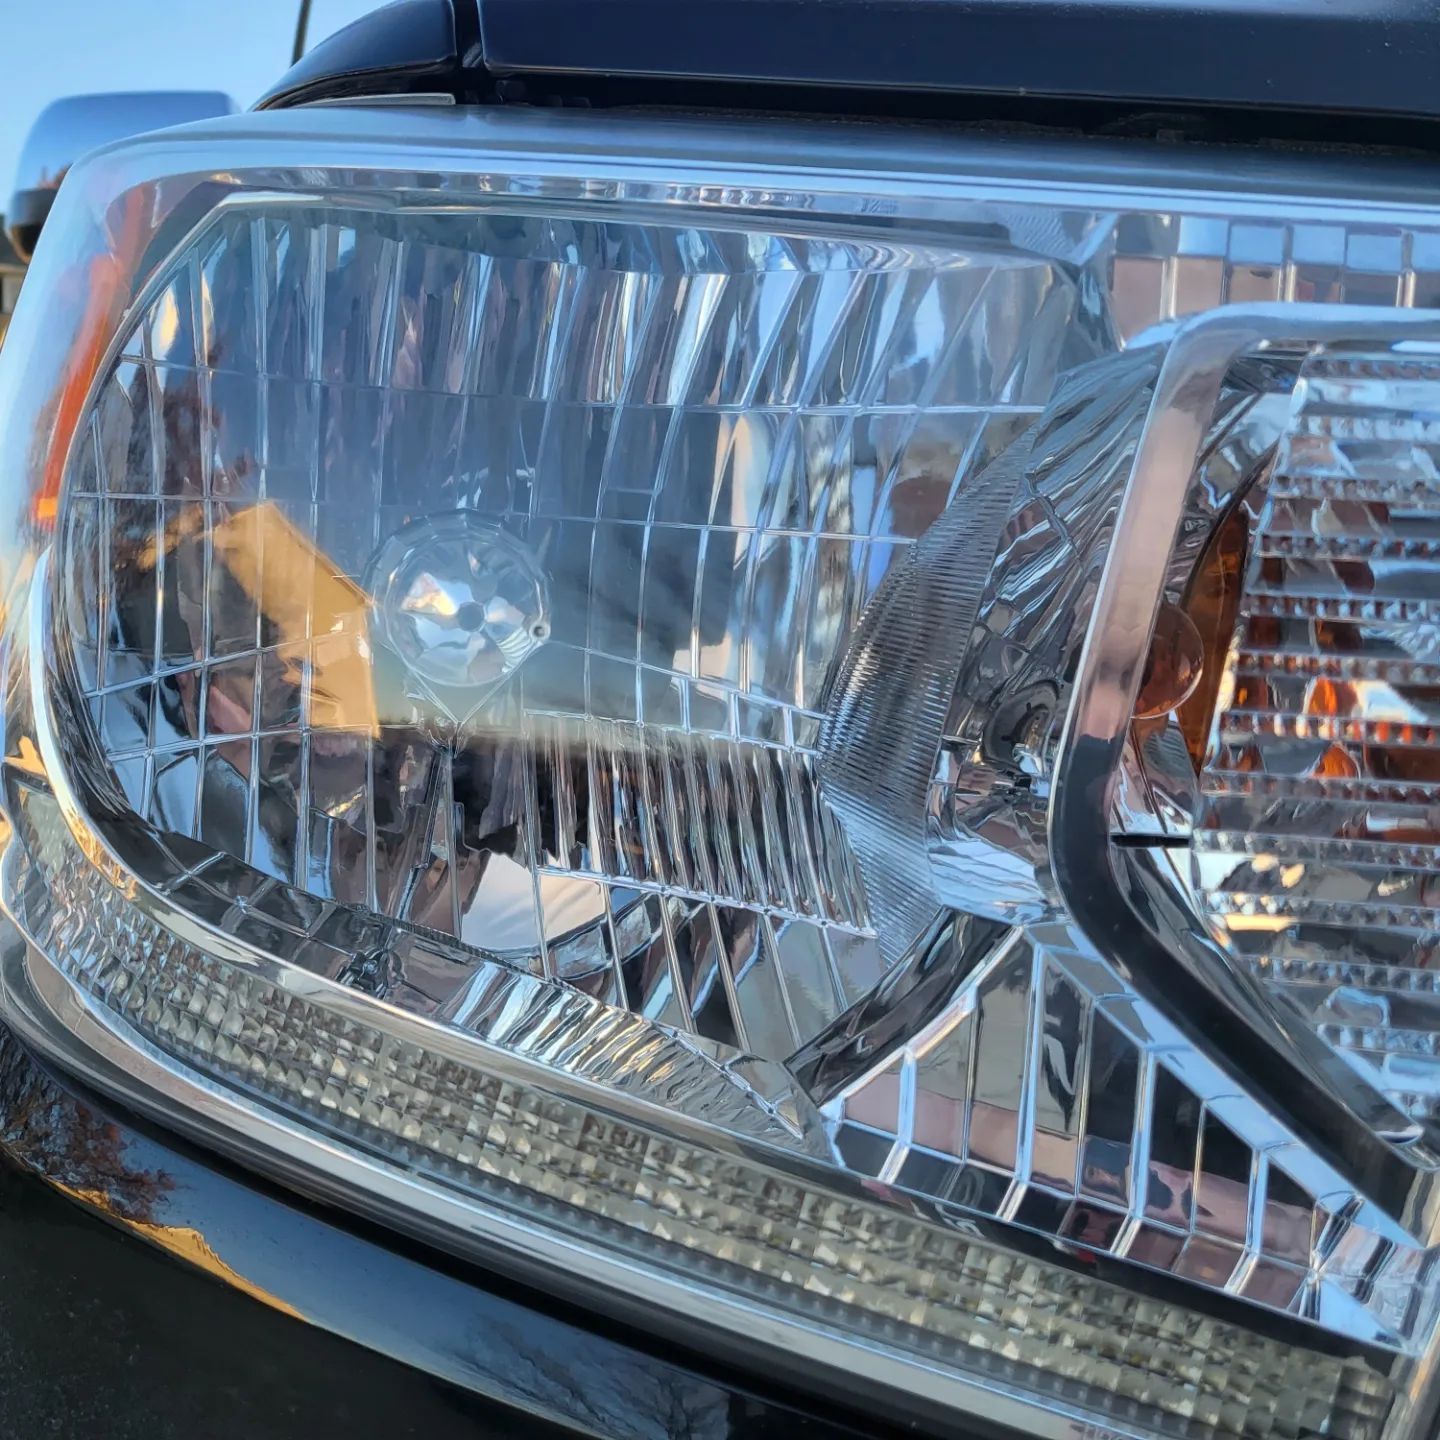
(695, 454)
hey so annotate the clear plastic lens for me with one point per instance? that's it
(1316, 846)
(492, 577)
(548, 677)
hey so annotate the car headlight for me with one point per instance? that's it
(742, 719)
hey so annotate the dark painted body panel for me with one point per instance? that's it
(149, 1290)
(1339, 71)
(1378, 56)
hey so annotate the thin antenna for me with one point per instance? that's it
(302, 24)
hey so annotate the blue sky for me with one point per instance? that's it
(70, 47)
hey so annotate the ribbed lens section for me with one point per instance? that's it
(1318, 842)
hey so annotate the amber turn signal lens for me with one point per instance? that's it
(1176, 664)
(1210, 604)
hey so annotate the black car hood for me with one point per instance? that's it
(1314, 58)
(1376, 56)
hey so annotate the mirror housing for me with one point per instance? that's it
(68, 128)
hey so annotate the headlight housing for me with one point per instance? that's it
(637, 697)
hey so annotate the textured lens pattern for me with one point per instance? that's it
(958, 1300)
(1318, 845)
(1075, 1113)
(1044, 1093)
(1162, 266)
(713, 445)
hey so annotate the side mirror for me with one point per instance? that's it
(12, 272)
(66, 129)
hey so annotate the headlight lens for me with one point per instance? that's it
(544, 691)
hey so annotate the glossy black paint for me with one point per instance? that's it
(1378, 56)
(102, 1335)
(1350, 72)
(409, 48)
